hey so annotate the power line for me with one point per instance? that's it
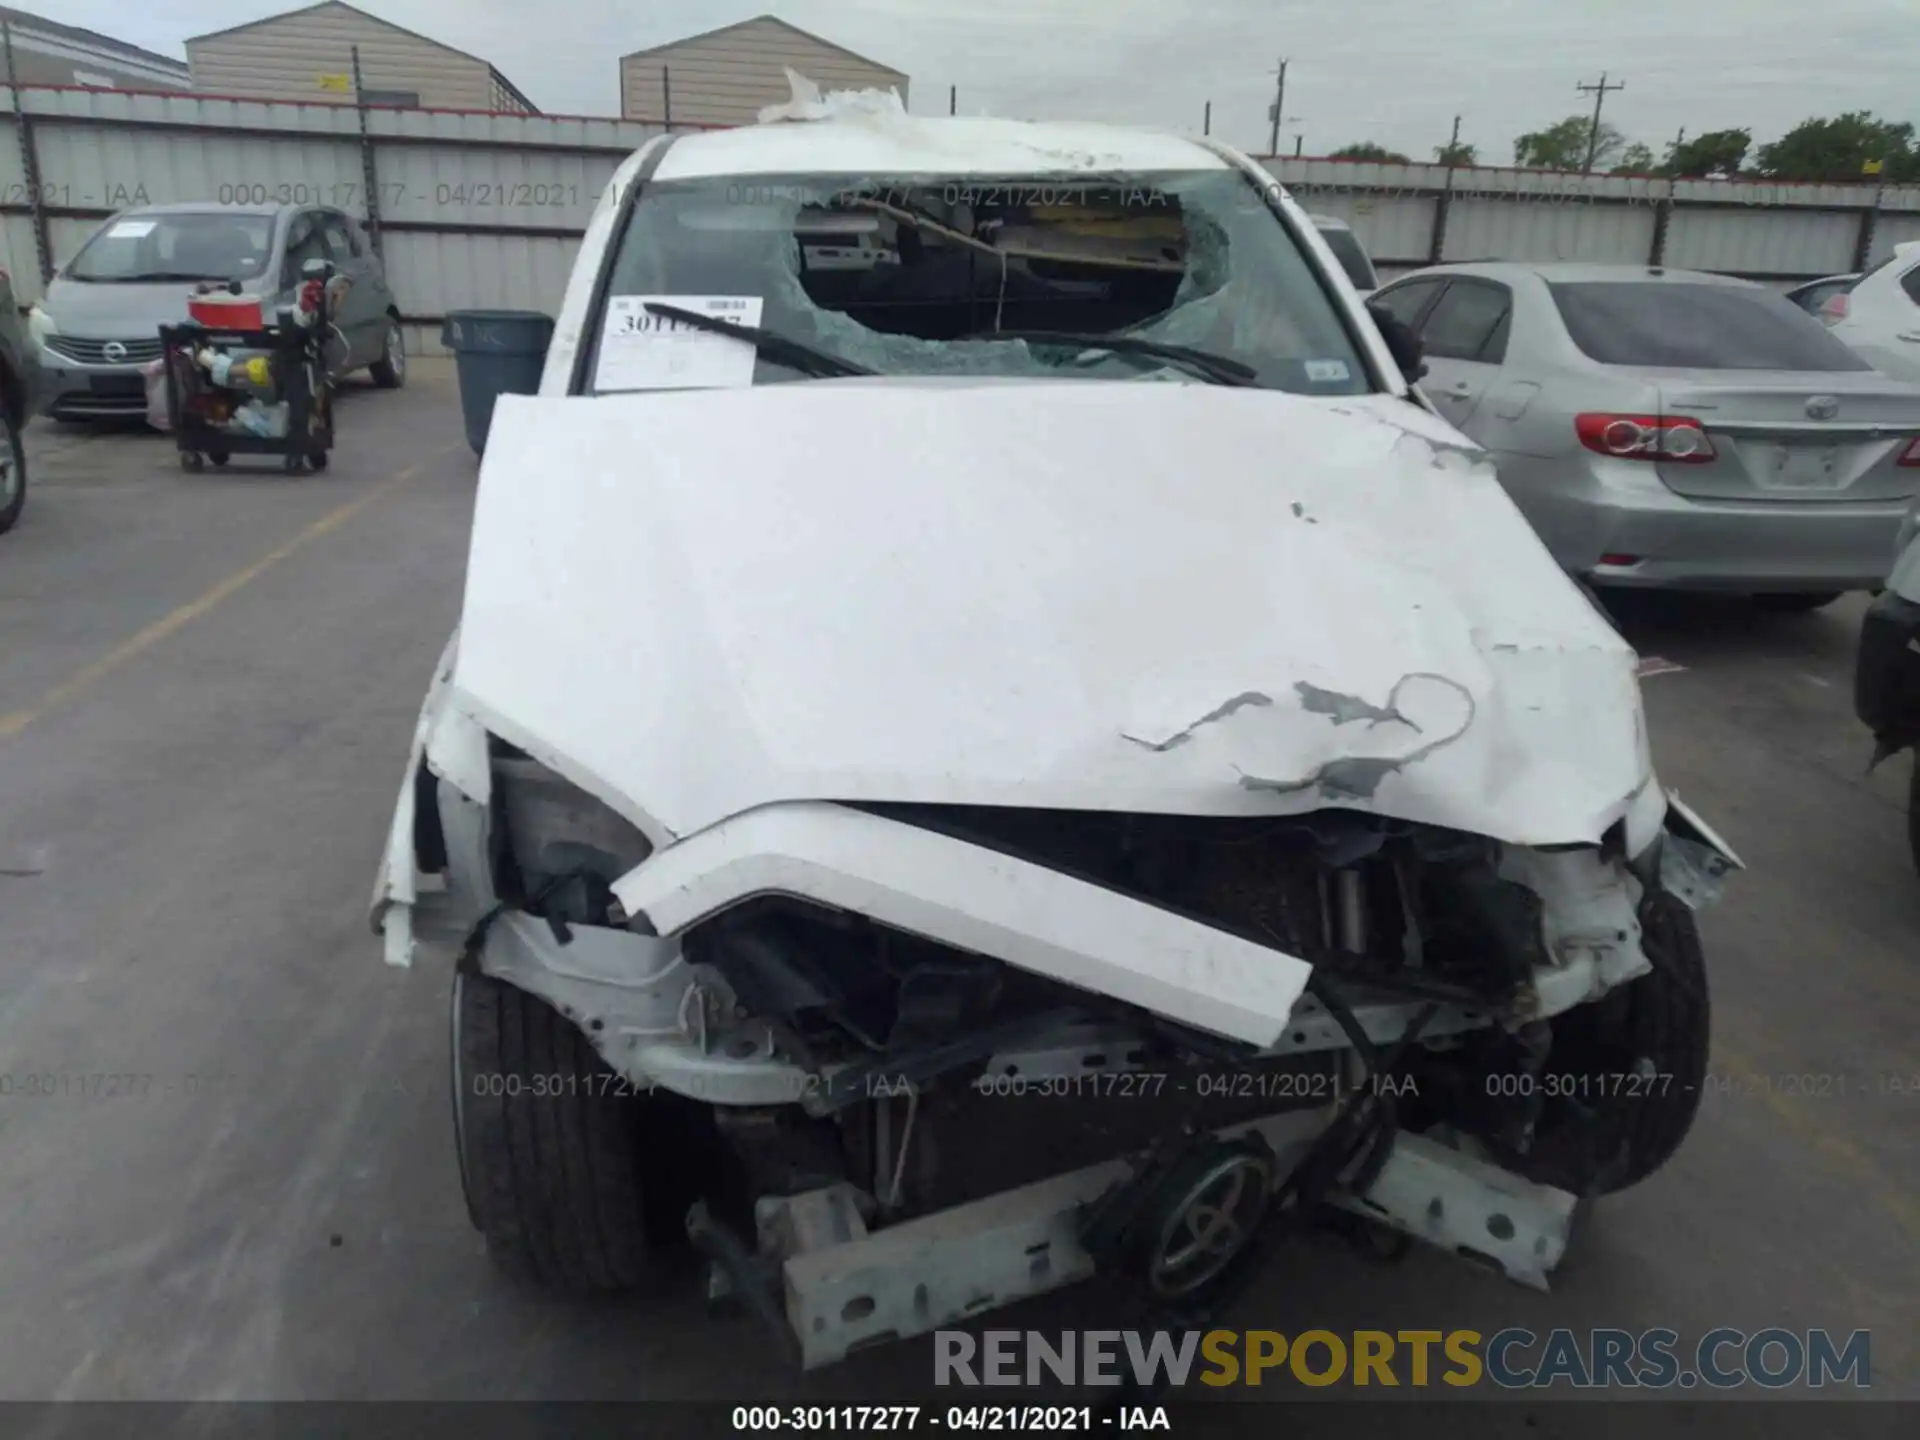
(1599, 93)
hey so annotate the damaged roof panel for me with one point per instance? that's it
(879, 143)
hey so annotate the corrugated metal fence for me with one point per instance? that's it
(467, 208)
(474, 209)
(1412, 215)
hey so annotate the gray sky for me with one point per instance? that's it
(1391, 71)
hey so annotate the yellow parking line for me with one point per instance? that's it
(14, 721)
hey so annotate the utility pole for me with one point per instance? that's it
(1442, 208)
(1599, 93)
(1279, 103)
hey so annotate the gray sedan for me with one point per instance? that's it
(99, 320)
(1668, 428)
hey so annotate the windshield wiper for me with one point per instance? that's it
(1220, 369)
(771, 343)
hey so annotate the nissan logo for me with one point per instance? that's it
(1823, 407)
(113, 350)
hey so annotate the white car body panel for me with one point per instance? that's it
(976, 900)
(707, 618)
(1882, 323)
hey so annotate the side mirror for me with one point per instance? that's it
(1405, 346)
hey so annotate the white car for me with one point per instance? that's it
(964, 776)
(1878, 316)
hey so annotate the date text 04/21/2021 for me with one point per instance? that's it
(1007, 1419)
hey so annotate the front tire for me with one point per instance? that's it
(1627, 1071)
(1913, 810)
(13, 476)
(389, 372)
(548, 1144)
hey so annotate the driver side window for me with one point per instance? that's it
(304, 243)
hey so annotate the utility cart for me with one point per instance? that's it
(237, 384)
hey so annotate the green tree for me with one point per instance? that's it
(1840, 149)
(1367, 150)
(1455, 152)
(1716, 152)
(1636, 159)
(1564, 146)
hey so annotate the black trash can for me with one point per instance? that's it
(498, 352)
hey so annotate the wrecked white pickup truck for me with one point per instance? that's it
(1037, 755)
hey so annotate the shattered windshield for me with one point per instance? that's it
(919, 275)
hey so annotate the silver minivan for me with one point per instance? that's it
(99, 320)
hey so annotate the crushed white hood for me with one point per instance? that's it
(1097, 595)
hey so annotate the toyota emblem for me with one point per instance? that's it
(114, 351)
(1823, 407)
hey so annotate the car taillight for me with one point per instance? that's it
(1910, 457)
(1834, 309)
(1675, 439)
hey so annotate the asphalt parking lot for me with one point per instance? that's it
(207, 686)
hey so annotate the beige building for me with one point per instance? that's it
(308, 55)
(46, 52)
(724, 76)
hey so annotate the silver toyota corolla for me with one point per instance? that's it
(99, 321)
(1671, 428)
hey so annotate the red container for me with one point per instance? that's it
(226, 312)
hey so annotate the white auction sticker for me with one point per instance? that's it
(131, 229)
(1326, 371)
(640, 350)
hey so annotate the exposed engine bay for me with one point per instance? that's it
(1395, 917)
(1446, 1010)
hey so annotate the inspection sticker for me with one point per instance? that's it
(131, 229)
(1327, 370)
(643, 351)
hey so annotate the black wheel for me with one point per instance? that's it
(1796, 603)
(1913, 811)
(192, 461)
(13, 476)
(218, 457)
(293, 463)
(389, 372)
(318, 459)
(1625, 1073)
(552, 1179)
